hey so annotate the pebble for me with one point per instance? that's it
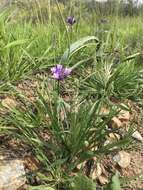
(123, 159)
(12, 174)
(136, 135)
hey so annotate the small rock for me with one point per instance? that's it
(106, 142)
(99, 170)
(96, 172)
(79, 166)
(12, 175)
(138, 136)
(103, 179)
(124, 116)
(123, 159)
(114, 136)
(104, 111)
(116, 123)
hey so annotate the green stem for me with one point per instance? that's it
(63, 20)
(58, 88)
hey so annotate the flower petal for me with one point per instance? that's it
(59, 67)
(71, 20)
(53, 69)
(56, 76)
(59, 72)
(67, 71)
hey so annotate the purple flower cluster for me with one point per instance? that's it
(59, 72)
(71, 20)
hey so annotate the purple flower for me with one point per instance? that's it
(71, 20)
(59, 72)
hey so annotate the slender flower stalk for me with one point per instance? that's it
(70, 21)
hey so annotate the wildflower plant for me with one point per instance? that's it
(62, 134)
(76, 132)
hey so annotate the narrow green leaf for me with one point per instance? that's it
(41, 187)
(77, 46)
(15, 43)
(114, 184)
(82, 182)
(132, 56)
